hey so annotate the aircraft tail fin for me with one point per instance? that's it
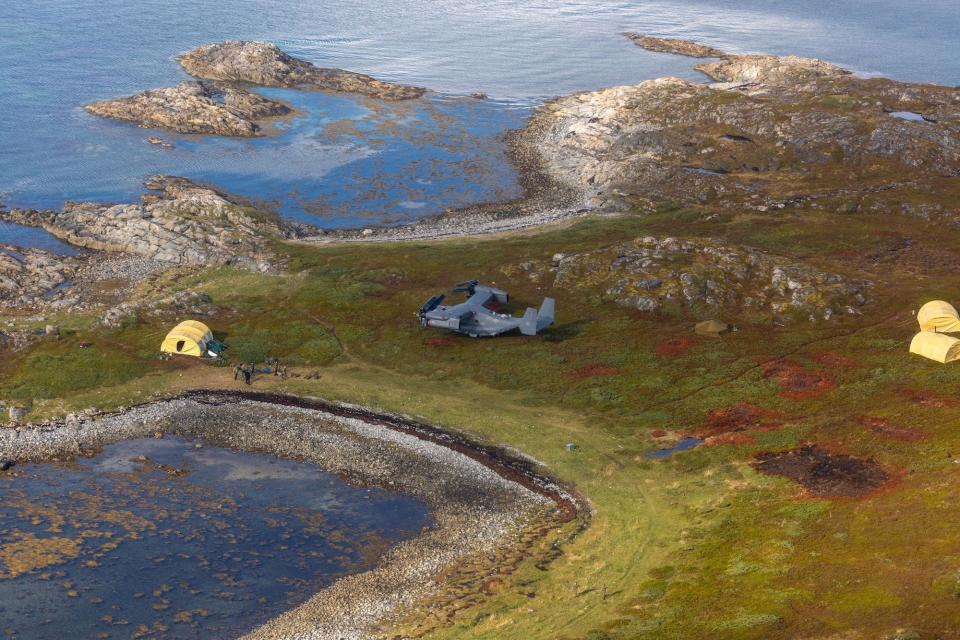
(545, 317)
(528, 324)
(534, 321)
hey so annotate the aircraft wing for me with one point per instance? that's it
(475, 301)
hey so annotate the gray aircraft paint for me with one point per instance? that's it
(474, 319)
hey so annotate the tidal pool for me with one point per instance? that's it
(162, 538)
(31, 237)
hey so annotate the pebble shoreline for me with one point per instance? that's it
(477, 501)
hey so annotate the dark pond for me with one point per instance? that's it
(681, 445)
(161, 539)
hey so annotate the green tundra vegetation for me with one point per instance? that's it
(699, 544)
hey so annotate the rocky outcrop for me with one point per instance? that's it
(30, 276)
(181, 223)
(791, 71)
(219, 105)
(675, 46)
(194, 107)
(264, 64)
(777, 131)
(650, 273)
(183, 304)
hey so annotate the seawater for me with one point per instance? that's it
(348, 161)
(22, 236)
(156, 538)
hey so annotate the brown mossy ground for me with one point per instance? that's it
(697, 545)
(824, 474)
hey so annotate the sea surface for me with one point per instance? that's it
(348, 161)
(161, 539)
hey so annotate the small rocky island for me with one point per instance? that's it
(195, 107)
(265, 65)
(674, 45)
(221, 103)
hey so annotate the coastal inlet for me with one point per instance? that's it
(153, 531)
(168, 538)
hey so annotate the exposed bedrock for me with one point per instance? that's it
(219, 104)
(782, 71)
(771, 132)
(264, 64)
(652, 273)
(29, 276)
(674, 45)
(179, 223)
(195, 107)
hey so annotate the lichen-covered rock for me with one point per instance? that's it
(771, 70)
(194, 107)
(191, 304)
(264, 64)
(776, 132)
(181, 223)
(650, 273)
(675, 46)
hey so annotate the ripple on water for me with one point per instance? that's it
(161, 537)
(519, 53)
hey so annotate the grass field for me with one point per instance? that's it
(696, 545)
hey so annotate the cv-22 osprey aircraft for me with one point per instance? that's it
(475, 319)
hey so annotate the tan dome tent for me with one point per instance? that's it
(936, 346)
(712, 328)
(938, 316)
(190, 338)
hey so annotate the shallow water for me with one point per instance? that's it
(188, 543)
(908, 115)
(21, 236)
(411, 160)
(681, 445)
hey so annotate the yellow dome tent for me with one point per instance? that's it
(189, 338)
(938, 316)
(936, 346)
